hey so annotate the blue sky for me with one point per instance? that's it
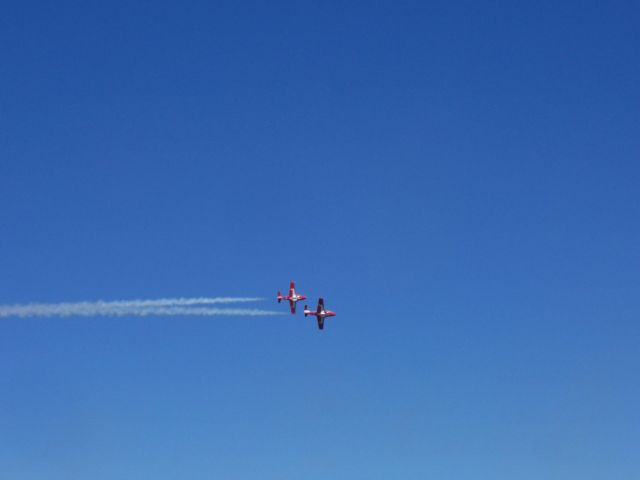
(459, 180)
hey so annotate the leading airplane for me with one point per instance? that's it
(293, 297)
(320, 313)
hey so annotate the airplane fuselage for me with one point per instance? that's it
(321, 313)
(295, 298)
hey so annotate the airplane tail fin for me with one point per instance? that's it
(306, 309)
(279, 296)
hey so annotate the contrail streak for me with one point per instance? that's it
(166, 302)
(137, 308)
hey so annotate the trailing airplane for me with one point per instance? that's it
(293, 297)
(320, 313)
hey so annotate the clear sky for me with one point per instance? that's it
(459, 180)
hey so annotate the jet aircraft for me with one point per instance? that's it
(293, 297)
(320, 313)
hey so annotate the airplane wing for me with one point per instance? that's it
(321, 323)
(320, 304)
(292, 288)
(292, 304)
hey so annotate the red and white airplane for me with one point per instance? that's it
(293, 297)
(320, 313)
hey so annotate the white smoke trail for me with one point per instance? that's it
(167, 302)
(138, 308)
(203, 312)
